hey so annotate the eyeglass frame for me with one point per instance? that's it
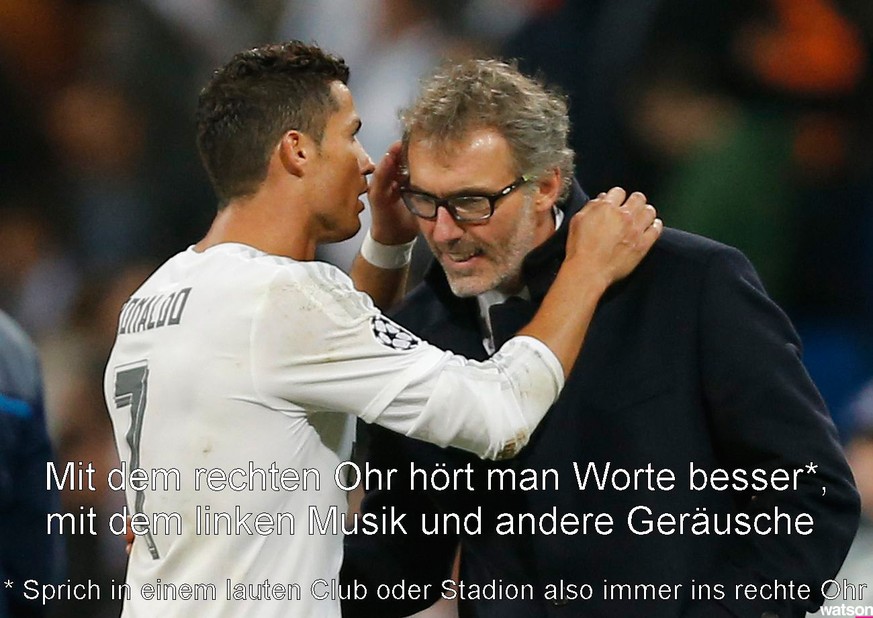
(445, 202)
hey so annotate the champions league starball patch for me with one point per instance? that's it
(392, 335)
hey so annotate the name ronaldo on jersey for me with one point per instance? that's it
(140, 314)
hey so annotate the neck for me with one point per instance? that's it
(262, 223)
(512, 285)
(546, 226)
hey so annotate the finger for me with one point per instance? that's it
(381, 172)
(394, 156)
(387, 171)
(635, 202)
(645, 216)
(641, 212)
(395, 149)
(651, 234)
(615, 196)
(635, 206)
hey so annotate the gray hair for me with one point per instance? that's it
(476, 94)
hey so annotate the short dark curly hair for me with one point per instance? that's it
(250, 102)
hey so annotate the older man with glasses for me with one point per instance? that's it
(687, 365)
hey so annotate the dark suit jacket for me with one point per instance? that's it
(686, 361)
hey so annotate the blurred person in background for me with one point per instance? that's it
(859, 563)
(589, 49)
(119, 119)
(26, 551)
(777, 162)
(39, 276)
(98, 137)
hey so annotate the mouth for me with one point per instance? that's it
(360, 202)
(460, 259)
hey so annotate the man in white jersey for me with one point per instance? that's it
(241, 364)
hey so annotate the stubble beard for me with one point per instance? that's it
(504, 260)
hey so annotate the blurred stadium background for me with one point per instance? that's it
(749, 121)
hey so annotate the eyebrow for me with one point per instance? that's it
(462, 192)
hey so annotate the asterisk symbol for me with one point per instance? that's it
(8, 583)
(811, 468)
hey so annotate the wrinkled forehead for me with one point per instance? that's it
(478, 158)
(434, 147)
(447, 149)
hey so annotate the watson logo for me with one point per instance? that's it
(856, 611)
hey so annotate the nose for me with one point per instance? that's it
(445, 228)
(366, 163)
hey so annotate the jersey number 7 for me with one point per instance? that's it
(131, 389)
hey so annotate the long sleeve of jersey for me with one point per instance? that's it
(319, 344)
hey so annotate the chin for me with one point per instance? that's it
(465, 287)
(475, 284)
(341, 234)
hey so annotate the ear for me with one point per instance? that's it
(295, 152)
(548, 188)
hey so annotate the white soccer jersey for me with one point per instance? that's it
(233, 384)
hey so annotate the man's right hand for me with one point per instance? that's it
(611, 235)
(606, 241)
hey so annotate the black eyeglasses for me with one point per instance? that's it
(463, 208)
